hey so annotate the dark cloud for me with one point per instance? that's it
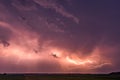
(5, 35)
(74, 26)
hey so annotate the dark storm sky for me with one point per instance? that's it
(73, 26)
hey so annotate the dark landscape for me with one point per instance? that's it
(111, 76)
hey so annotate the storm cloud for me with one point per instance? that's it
(34, 29)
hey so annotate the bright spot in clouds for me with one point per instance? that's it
(78, 62)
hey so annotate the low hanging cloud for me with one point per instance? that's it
(41, 33)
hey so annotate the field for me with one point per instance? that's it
(59, 77)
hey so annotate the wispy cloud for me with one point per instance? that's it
(58, 8)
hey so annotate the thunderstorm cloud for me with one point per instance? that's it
(59, 36)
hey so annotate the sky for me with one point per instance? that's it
(59, 36)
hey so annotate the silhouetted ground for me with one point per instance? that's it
(111, 76)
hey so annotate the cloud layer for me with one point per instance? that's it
(58, 36)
